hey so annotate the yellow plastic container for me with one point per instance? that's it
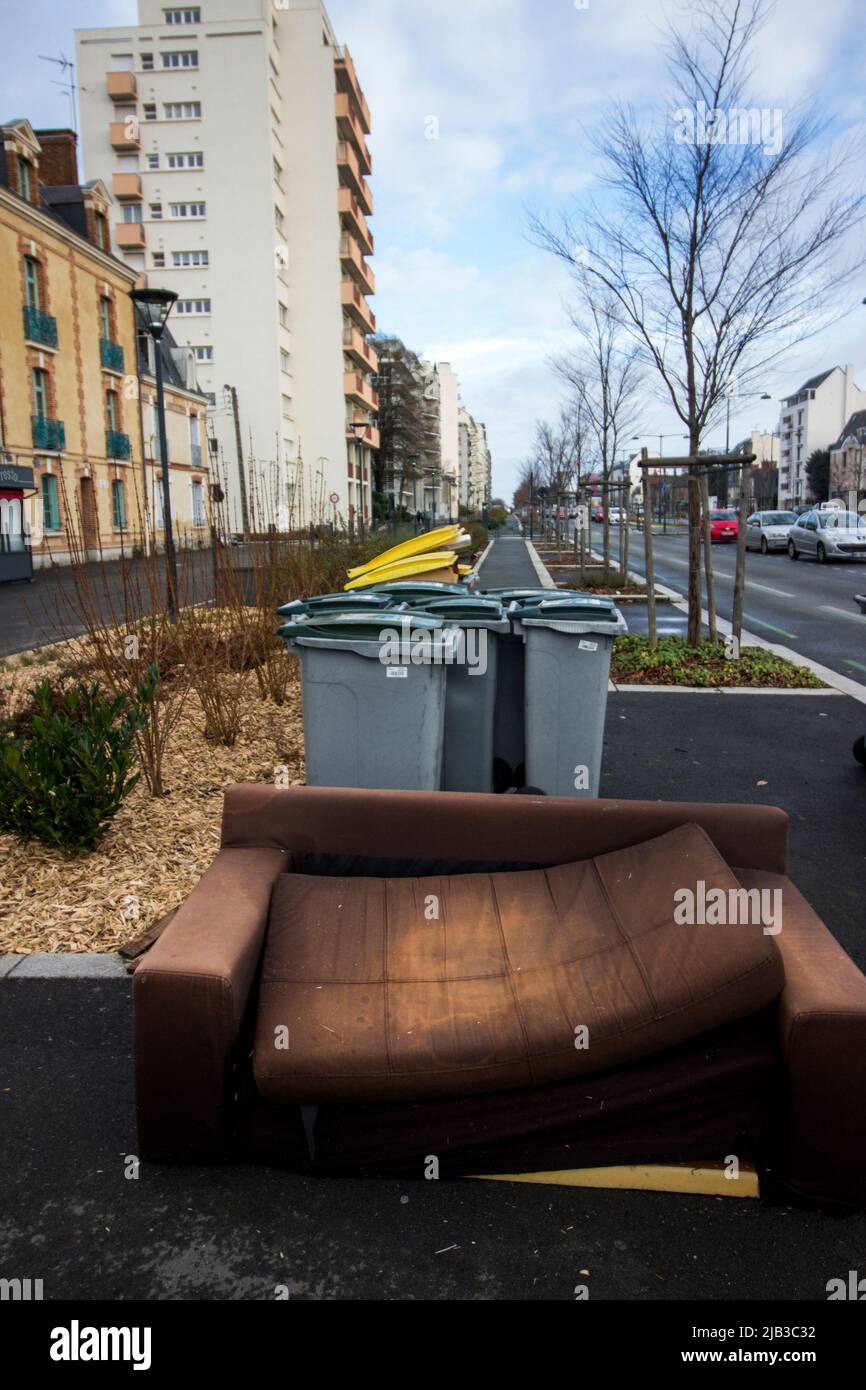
(440, 565)
(431, 541)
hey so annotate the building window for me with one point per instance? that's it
(182, 258)
(153, 161)
(24, 186)
(203, 354)
(40, 393)
(284, 360)
(193, 159)
(187, 209)
(132, 212)
(147, 62)
(156, 212)
(182, 110)
(279, 219)
(210, 397)
(193, 306)
(111, 407)
(197, 504)
(50, 504)
(101, 230)
(150, 111)
(118, 504)
(287, 407)
(190, 15)
(180, 58)
(105, 317)
(31, 282)
(284, 315)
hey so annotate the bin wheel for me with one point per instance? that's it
(859, 751)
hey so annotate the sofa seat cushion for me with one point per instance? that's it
(408, 989)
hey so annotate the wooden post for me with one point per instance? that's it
(740, 572)
(708, 556)
(648, 549)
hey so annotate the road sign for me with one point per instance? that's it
(335, 497)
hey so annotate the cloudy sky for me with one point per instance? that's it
(481, 109)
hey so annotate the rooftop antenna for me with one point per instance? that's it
(67, 82)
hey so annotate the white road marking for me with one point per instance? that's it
(780, 593)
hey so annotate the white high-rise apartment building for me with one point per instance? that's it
(232, 134)
(811, 419)
(475, 463)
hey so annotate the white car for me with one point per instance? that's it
(829, 535)
(766, 531)
(616, 516)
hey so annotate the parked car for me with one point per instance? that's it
(830, 535)
(598, 514)
(724, 525)
(616, 516)
(767, 531)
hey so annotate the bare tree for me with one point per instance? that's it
(724, 240)
(604, 372)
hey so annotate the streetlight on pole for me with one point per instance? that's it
(153, 307)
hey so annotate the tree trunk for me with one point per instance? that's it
(694, 631)
(708, 556)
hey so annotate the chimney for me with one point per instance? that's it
(58, 162)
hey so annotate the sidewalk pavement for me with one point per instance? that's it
(73, 1217)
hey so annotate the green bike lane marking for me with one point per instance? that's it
(750, 618)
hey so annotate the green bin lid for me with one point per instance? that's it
(324, 602)
(358, 627)
(466, 608)
(577, 608)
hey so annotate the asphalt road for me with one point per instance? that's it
(802, 605)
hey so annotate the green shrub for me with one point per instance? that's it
(67, 767)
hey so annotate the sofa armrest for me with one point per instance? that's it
(821, 1034)
(189, 996)
(460, 825)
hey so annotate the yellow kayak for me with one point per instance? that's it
(418, 545)
(437, 565)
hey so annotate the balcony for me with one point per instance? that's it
(356, 305)
(49, 435)
(350, 208)
(349, 127)
(127, 187)
(347, 81)
(355, 345)
(121, 86)
(369, 435)
(110, 355)
(350, 175)
(359, 391)
(40, 328)
(130, 236)
(116, 445)
(124, 136)
(353, 262)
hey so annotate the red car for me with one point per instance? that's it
(597, 513)
(724, 526)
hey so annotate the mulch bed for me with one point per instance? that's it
(155, 850)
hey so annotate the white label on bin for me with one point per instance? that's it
(588, 646)
(397, 673)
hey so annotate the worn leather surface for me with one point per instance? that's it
(409, 989)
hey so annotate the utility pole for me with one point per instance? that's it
(245, 511)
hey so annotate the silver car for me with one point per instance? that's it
(830, 535)
(766, 531)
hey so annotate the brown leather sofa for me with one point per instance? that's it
(485, 931)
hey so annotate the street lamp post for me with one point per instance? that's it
(154, 307)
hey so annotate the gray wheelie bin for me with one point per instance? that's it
(509, 744)
(416, 595)
(470, 697)
(373, 689)
(568, 647)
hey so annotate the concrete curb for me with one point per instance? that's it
(543, 576)
(63, 966)
(715, 690)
